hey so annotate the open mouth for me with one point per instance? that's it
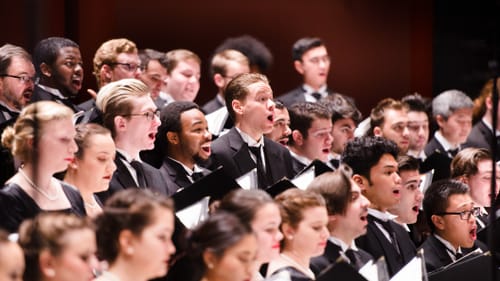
(473, 233)
(270, 118)
(27, 95)
(396, 192)
(326, 150)
(152, 136)
(206, 148)
(283, 141)
(415, 209)
(76, 82)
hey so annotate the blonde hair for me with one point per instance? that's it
(108, 51)
(115, 99)
(175, 56)
(20, 137)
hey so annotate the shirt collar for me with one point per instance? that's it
(249, 140)
(301, 159)
(444, 142)
(448, 245)
(322, 90)
(53, 91)
(127, 157)
(190, 172)
(385, 216)
(343, 246)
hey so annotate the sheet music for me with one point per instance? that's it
(248, 180)
(303, 180)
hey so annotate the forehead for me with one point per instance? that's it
(187, 64)
(142, 103)
(387, 160)
(68, 52)
(21, 65)
(321, 123)
(258, 88)
(154, 65)
(457, 201)
(417, 116)
(128, 58)
(281, 113)
(345, 122)
(409, 175)
(392, 115)
(461, 113)
(484, 166)
(315, 52)
(193, 115)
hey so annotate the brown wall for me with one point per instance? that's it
(378, 48)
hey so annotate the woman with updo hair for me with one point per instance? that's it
(257, 209)
(304, 226)
(42, 139)
(222, 248)
(93, 165)
(58, 247)
(134, 235)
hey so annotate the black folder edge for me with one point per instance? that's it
(279, 187)
(319, 168)
(340, 270)
(474, 266)
(216, 185)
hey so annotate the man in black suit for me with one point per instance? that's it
(347, 212)
(59, 67)
(225, 65)
(452, 111)
(311, 138)
(184, 140)
(373, 160)
(131, 115)
(345, 119)
(311, 60)
(450, 213)
(249, 101)
(17, 76)
(482, 132)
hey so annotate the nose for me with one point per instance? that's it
(397, 178)
(208, 135)
(112, 166)
(73, 148)
(420, 195)
(364, 201)
(279, 236)
(288, 131)
(170, 247)
(94, 262)
(406, 132)
(270, 104)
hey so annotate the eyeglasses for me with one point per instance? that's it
(464, 215)
(130, 67)
(25, 79)
(150, 115)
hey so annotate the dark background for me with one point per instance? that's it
(383, 48)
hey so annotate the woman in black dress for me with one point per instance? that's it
(42, 139)
(93, 166)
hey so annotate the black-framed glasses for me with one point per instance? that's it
(150, 115)
(25, 79)
(464, 215)
(130, 67)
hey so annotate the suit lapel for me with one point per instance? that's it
(241, 156)
(123, 175)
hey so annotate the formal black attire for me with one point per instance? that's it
(481, 137)
(212, 105)
(233, 154)
(122, 179)
(332, 253)
(173, 172)
(17, 205)
(438, 159)
(436, 254)
(296, 95)
(40, 94)
(376, 243)
(297, 165)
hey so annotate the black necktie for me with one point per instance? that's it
(261, 173)
(354, 258)
(316, 95)
(139, 169)
(453, 152)
(388, 227)
(196, 176)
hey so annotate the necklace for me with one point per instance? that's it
(37, 189)
(306, 271)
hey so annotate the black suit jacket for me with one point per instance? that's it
(297, 95)
(297, 166)
(435, 253)
(40, 94)
(480, 137)
(437, 159)
(375, 243)
(174, 173)
(212, 105)
(122, 179)
(330, 256)
(232, 153)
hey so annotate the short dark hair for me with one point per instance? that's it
(147, 55)
(47, 51)
(278, 104)
(130, 209)
(408, 163)
(303, 114)
(362, 153)
(342, 108)
(237, 89)
(257, 53)
(335, 187)
(301, 46)
(436, 197)
(415, 102)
